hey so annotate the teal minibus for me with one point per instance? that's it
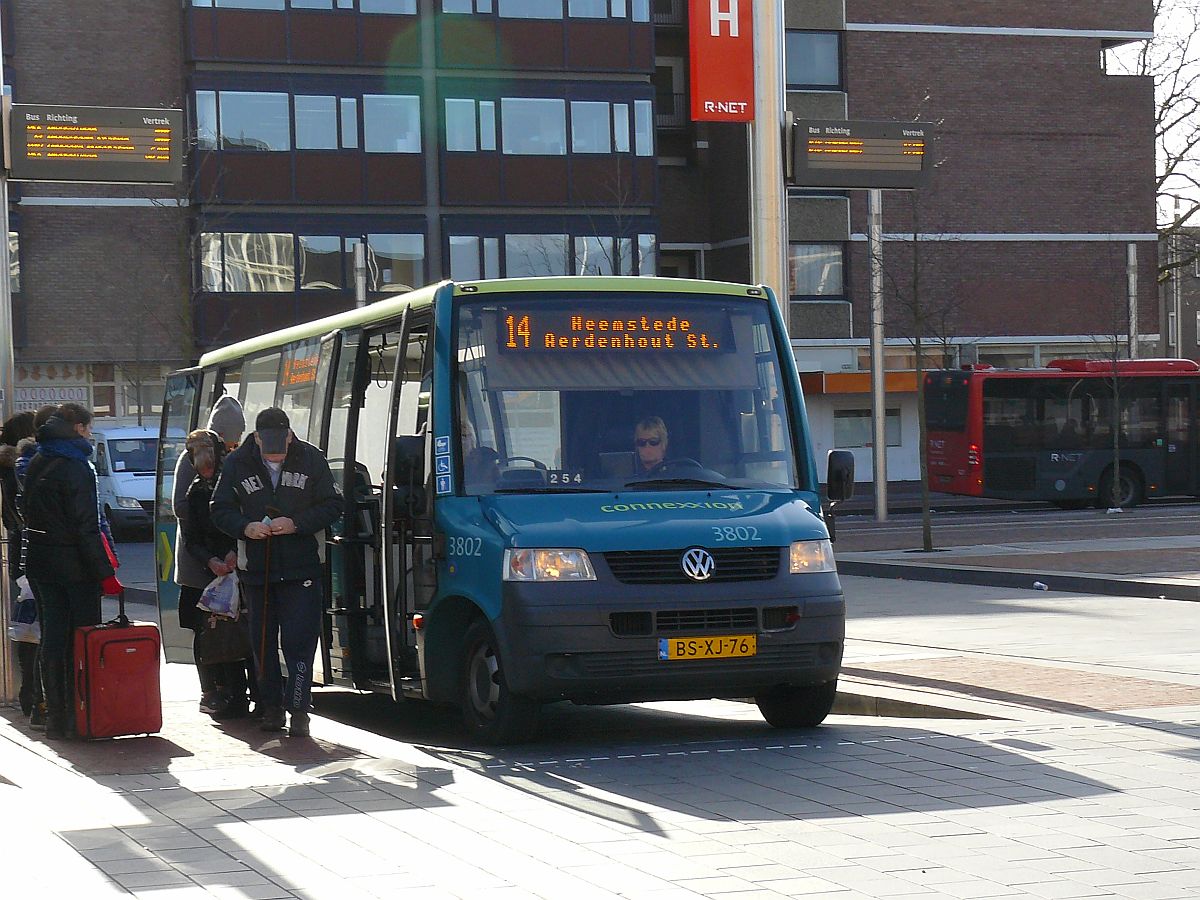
(595, 490)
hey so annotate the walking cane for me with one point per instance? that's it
(262, 641)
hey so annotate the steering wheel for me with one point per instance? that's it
(536, 464)
(680, 462)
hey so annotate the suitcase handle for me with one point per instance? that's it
(121, 618)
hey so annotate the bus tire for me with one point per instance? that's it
(491, 712)
(794, 706)
(1129, 491)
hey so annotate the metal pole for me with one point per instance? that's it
(360, 274)
(878, 395)
(1132, 286)
(768, 196)
(1177, 283)
(8, 689)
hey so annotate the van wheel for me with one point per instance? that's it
(492, 713)
(111, 527)
(792, 706)
(1125, 493)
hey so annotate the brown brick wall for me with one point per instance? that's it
(100, 283)
(978, 289)
(1032, 136)
(1106, 15)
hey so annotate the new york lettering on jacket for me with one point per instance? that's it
(306, 494)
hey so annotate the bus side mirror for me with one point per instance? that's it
(839, 478)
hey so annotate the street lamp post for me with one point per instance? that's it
(8, 677)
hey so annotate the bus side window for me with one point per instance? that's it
(261, 378)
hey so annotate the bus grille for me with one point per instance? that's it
(663, 566)
(147, 505)
(647, 663)
(633, 624)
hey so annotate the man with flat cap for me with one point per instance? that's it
(276, 495)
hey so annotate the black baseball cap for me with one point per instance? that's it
(272, 427)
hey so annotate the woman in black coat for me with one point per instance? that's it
(65, 561)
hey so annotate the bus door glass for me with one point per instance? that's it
(405, 518)
(1180, 444)
(179, 410)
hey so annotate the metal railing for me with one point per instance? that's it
(669, 12)
(671, 110)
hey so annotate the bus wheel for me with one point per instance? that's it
(1126, 493)
(492, 714)
(790, 706)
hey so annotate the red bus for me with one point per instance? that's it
(1046, 434)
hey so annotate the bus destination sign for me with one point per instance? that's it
(845, 154)
(95, 143)
(547, 331)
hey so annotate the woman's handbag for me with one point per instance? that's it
(223, 640)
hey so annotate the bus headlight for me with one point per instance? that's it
(129, 503)
(547, 565)
(811, 556)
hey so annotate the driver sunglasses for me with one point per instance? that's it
(653, 442)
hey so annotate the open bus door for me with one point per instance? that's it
(178, 417)
(373, 394)
(1181, 439)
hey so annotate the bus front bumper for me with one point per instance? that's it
(573, 652)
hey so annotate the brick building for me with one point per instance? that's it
(472, 138)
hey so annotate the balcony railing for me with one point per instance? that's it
(670, 12)
(671, 110)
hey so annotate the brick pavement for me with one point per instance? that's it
(708, 803)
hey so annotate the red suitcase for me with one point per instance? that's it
(116, 679)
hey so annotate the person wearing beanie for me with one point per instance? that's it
(276, 496)
(193, 575)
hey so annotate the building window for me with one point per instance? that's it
(533, 127)
(587, 9)
(254, 121)
(321, 265)
(643, 127)
(473, 257)
(647, 254)
(316, 122)
(405, 7)
(813, 60)
(391, 123)
(603, 256)
(14, 262)
(395, 261)
(852, 428)
(466, 6)
(460, 126)
(349, 119)
(206, 119)
(816, 270)
(241, 4)
(590, 127)
(530, 9)
(527, 255)
(257, 262)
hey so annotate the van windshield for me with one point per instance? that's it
(604, 392)
(132, 454)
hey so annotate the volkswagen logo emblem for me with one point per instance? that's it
(697, 564)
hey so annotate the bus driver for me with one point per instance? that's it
(650, 445)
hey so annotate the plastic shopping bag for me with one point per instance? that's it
(221, 596)
(25, 626)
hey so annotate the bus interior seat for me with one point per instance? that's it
(517, 477)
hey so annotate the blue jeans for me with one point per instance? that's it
(292, 623)
(63, 606)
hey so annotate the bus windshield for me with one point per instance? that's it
(607, 392)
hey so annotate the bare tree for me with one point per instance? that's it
(1172, 59)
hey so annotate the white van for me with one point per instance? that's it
(125, 459)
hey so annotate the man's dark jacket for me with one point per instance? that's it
(62, 523)
(306, 494)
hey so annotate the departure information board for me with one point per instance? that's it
(861, 154)
(591, 331)
(95, 143)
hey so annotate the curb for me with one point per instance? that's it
(855, 704)
(1069, 582)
